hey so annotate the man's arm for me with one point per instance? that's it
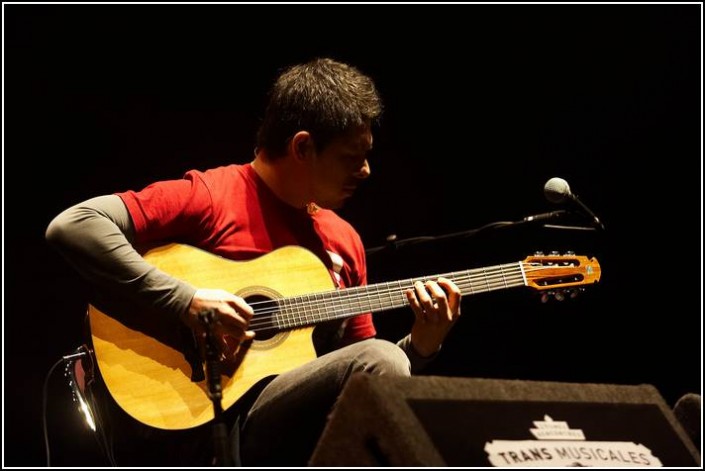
(96, 236)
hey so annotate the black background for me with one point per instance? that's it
(484, 103)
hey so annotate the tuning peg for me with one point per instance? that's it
(574, 293)
(545, 296)
(559, 296)
(555, 252)
(569, 253)
(538, 253)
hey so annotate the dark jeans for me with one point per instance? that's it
(286, 421)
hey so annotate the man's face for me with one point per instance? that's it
(340, 167)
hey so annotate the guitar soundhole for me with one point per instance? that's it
(263, 320)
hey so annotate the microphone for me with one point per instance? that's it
(557, 190)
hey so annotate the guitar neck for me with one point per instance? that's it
(315, 308)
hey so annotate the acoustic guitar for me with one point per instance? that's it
(291, 291)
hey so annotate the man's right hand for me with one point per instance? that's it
(232, 315)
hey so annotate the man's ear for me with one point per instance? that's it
(302, 146)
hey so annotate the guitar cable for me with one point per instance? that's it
(44, 409)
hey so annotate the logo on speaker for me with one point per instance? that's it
(549, 429)
(559, 445)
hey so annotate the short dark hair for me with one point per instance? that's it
(324, 97)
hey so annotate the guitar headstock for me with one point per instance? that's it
(557, 275)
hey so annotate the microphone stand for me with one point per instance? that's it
(393, 244)
(223, 454)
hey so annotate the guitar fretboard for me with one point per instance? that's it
(314, 308)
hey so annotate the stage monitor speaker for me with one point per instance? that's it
(450, 421)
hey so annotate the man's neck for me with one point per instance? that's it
(281, 178)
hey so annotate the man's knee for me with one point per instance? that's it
(382, 357)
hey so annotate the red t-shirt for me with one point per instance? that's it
(229, 211)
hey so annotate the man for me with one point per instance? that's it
(311, 155)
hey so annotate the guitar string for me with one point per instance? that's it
(335, 300)
(336, 304)
(339, 308)
(354, 292)
(367, 290)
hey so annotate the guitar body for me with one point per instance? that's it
(152, 381)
